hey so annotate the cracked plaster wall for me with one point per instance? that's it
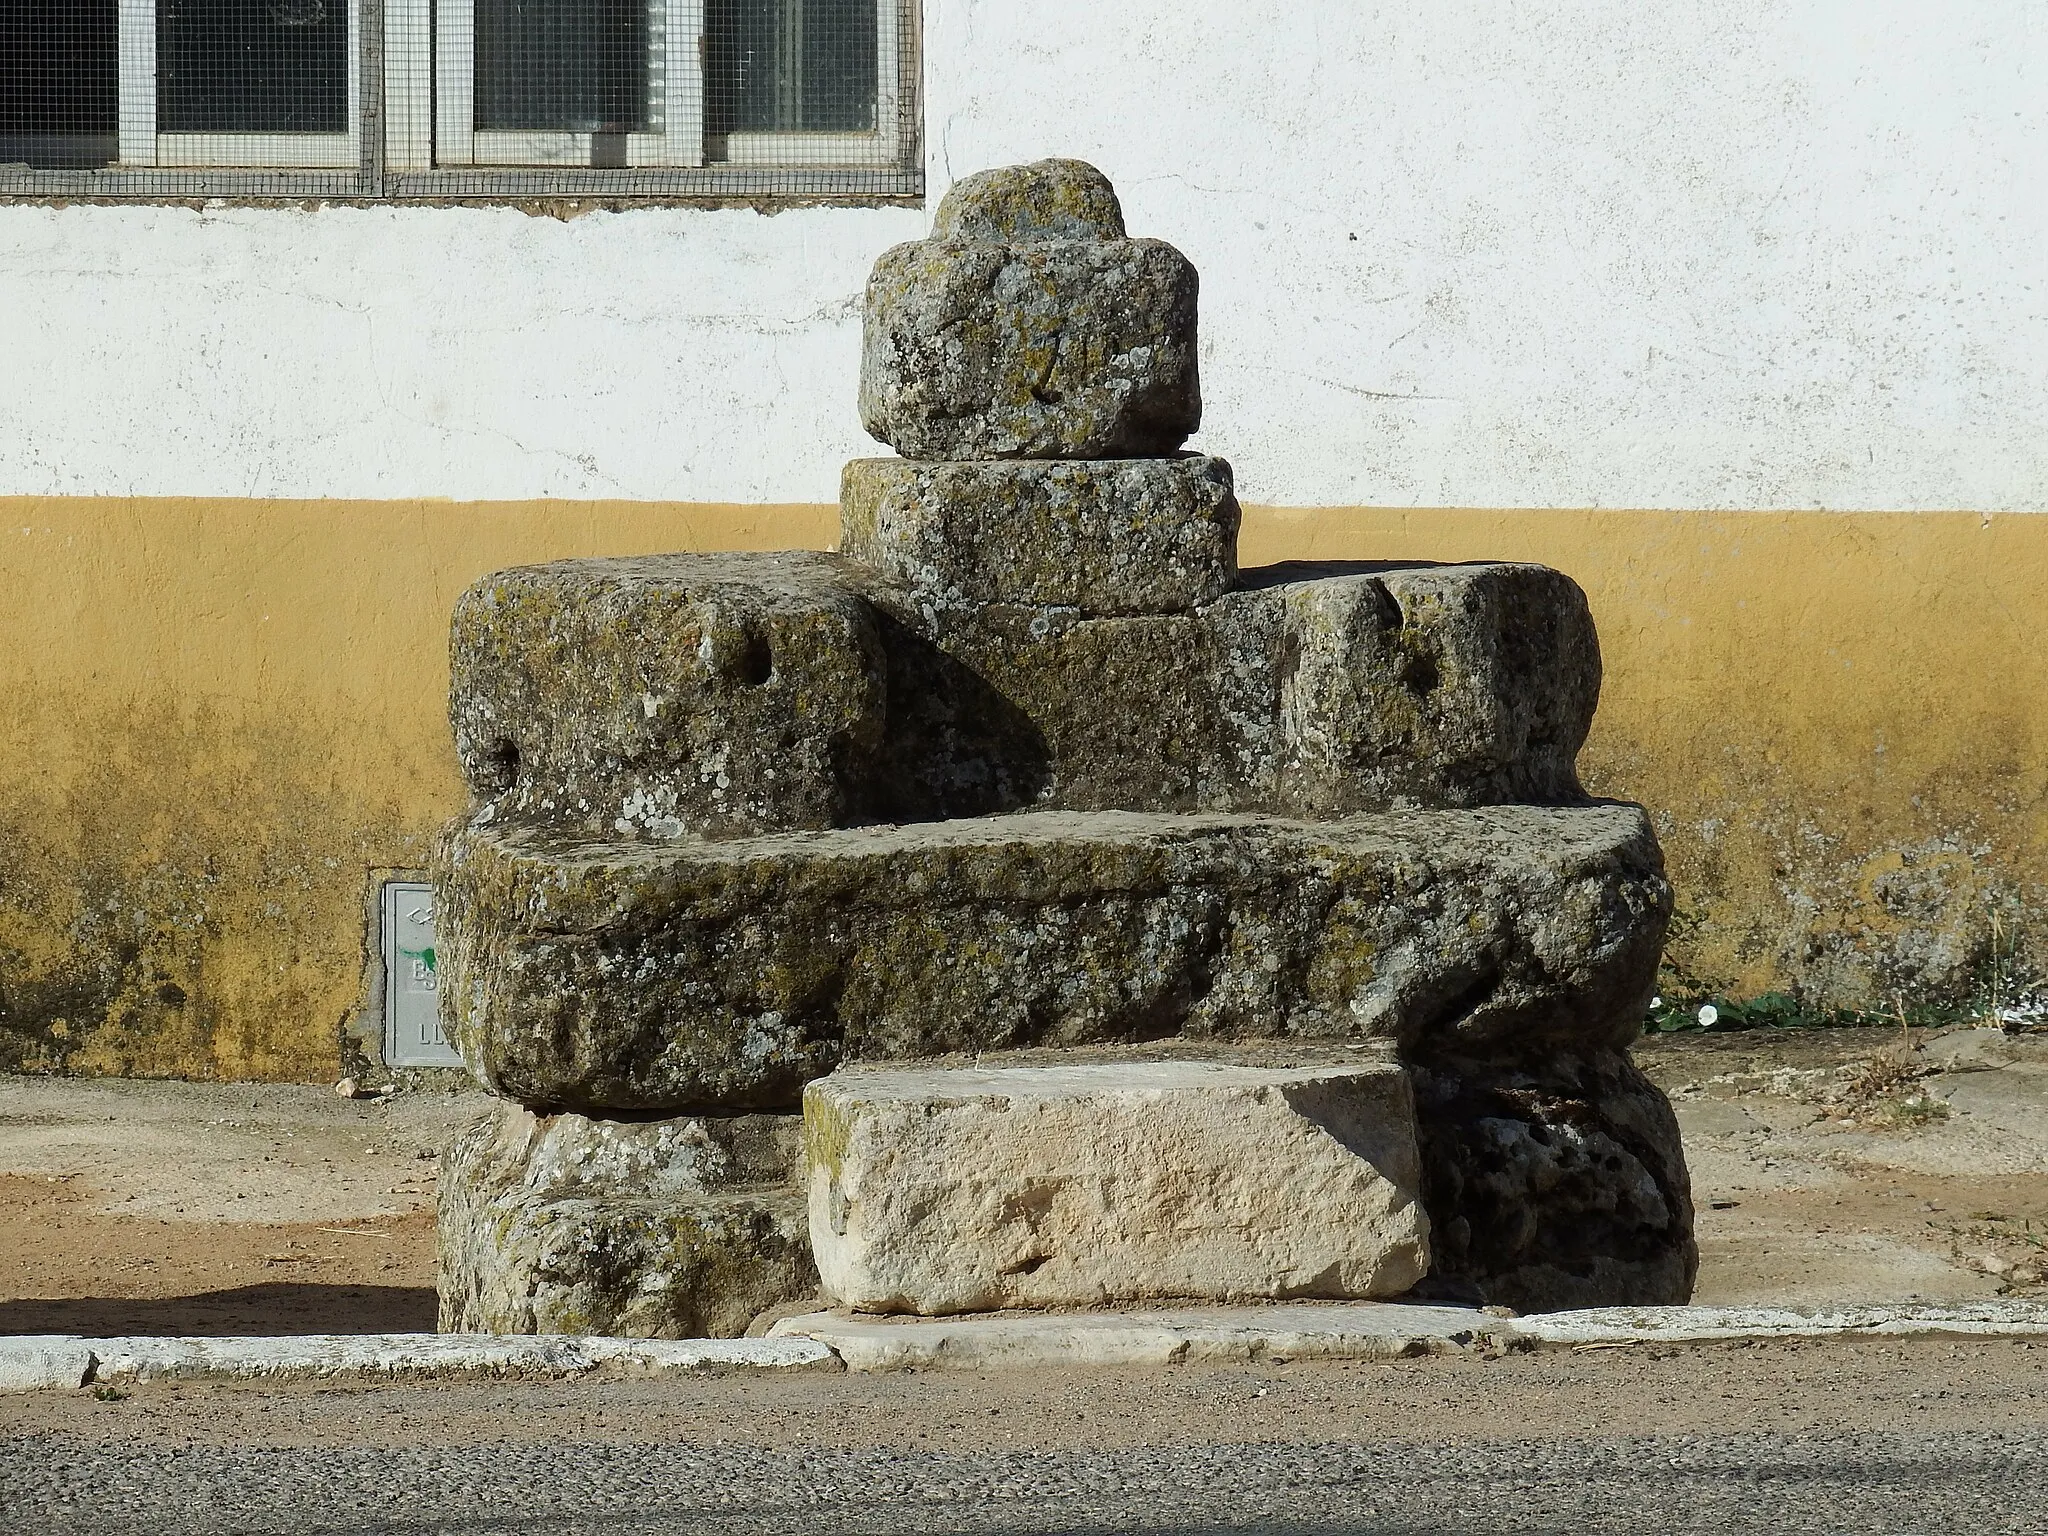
(1713, 254)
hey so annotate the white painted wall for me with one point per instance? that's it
(1701, 253)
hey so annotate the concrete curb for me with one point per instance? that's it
(27, 1364)
(1703, 1325)
(825, 1341)
(1353, 1331)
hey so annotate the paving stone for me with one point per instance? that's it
(1116, 536)
(976, 1188)
(720, 977)
(648, 1229)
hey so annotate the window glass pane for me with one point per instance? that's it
(789, 66)
(568, 66)
(58, 79)
(252, 66)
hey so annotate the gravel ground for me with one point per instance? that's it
(1896, 1484)
(1861, 1435)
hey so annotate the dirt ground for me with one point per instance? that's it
(1829, 1166)
(1925, 1386)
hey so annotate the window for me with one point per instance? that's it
(457, 97)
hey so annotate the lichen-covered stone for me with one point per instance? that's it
(1116, 536)
(1029, 769)
(1011, 707)
(720, 977)
(1313, 690)
(729, 695)
(1060, 349)
(1348, 689)
(1555, 1179)
(670, 695)
(1025, 204)
(996, 1184)
(638, 1229)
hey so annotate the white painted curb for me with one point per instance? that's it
(29, 1364)
(35, 1361)
(1699, 1325)
(1352, 1331)
(1172, 1336)
(825, 1341)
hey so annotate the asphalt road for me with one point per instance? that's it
(1899, 1485)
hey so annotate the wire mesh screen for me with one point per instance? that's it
(60, 82)
(459, 98)
(571, 66)
(251, 66)
(789, 66)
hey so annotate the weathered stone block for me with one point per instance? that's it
(1349, 689)
(1027, 204)
(1074, 349)
(719, 977)
(1029, 327)
(976, 1188)
(727, 695)
(671, 695)
(1010, 707)
(1117, 536)
(1313, 690)
(1555, 1179)
(666, 1229)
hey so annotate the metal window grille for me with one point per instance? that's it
(459, 98)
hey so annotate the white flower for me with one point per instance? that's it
(1708, 1014)
(1656, 1002)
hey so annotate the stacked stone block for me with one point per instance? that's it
(1030, 765)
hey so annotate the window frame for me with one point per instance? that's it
(144, 146)
(459, 143)
(881, 144)
(395, 150)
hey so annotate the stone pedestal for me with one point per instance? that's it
(1032, 764)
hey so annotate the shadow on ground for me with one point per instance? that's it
(250, 1309)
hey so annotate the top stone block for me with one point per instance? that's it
(1029, 327)
(1031, 204)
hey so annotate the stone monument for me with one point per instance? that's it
(1024, 905)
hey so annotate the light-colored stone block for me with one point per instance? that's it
(937, 1190)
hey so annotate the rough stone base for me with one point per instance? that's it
(666, 1229)
(723, 976)
(1554, 1182)
(992, 1186)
